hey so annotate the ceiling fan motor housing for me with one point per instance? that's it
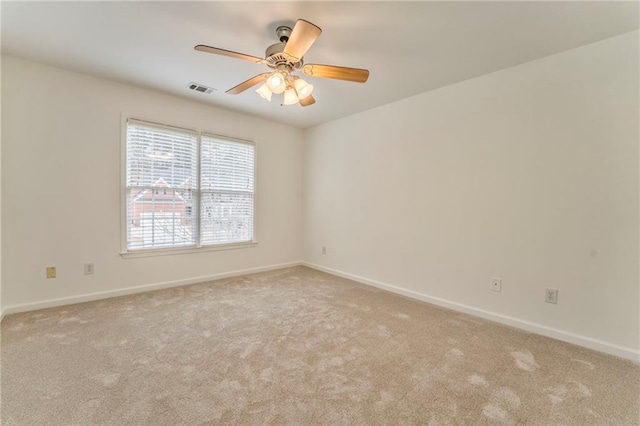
(275, 57)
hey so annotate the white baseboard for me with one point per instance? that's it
(598, 345)
(576, 339)
(25, 307)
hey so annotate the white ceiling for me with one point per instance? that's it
(409, 47)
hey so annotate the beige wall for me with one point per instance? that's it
(61, 184)
(1, 305)
(529, 174)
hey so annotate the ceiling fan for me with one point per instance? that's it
(284, 58)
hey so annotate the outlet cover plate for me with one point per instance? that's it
(51, 272)
(89, 269)
(496, 284)
(551, 296)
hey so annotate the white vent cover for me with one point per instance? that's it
(200, 88)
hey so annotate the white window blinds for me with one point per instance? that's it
(162, 169)
(227, 185)
(186, 189)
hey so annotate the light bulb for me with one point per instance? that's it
(276, 82)
(290, 97)
(264, 92)
(303, 89)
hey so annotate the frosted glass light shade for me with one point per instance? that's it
(290, 97)
(303, 89)
(264, 92)
(276, 82)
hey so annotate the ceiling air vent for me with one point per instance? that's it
(200, 88)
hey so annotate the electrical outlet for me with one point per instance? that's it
(551, 296)
(324, 250)
(51, 272)
(496, 284)
(88, 268)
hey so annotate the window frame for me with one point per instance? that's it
(197, 248)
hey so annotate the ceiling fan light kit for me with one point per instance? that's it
(292, 87)
(264, 92)
(290, 97)
(277, 82)
(303, 89)
(285, 58)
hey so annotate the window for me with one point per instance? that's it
(187, 189)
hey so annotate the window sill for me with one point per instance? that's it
(185, 250)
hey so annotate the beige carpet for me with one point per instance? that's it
(299, 347)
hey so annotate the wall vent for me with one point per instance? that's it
(200, 88)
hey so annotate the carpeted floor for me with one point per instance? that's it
(297, 346)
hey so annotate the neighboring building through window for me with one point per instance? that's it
(187, 189)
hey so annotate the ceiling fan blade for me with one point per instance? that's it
(229, 53)
(339, 73)
(302, 37)
(248, 84)
(309, 100)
